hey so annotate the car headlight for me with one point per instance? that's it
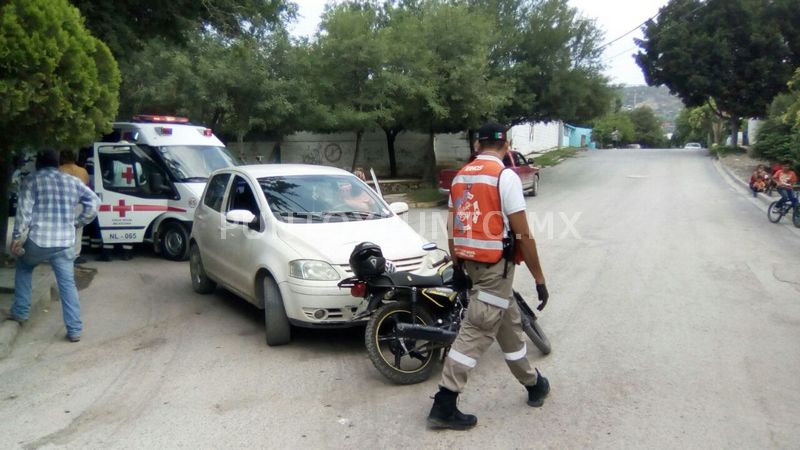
(309, 269)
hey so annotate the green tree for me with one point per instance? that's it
(59, 84)
(467, 94)
(728, 51)
(127, 26)
(350, 56)
(548, 56)
(604, 126)
(647, 127)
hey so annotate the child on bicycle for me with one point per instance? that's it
(784, 179)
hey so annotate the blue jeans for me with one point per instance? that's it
(787, 194)
(62, 261)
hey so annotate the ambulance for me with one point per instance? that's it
(149, 174)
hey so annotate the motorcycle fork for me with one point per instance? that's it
(414, 300)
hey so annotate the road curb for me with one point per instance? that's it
(762, 199)
(9, 329)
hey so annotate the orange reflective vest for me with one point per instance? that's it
(478, 227)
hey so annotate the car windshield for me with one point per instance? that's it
(195, 162)
(322, 198)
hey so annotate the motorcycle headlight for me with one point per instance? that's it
(309, 269)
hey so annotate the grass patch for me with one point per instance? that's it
(724, 150)
(424, 195)
(554, 157)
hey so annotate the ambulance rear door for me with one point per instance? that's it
(134, 190)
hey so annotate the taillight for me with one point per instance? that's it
(359, 289)
(207, 132)
(164, 131)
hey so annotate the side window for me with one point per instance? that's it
(520, 160)
(216, 191)
(242, 197)
(507, 160)
(130, 170)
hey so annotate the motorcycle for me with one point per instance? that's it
(414, 319)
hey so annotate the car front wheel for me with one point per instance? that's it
(200, 281)
(276, 322)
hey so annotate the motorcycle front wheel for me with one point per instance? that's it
(402, 360)
(531, 326)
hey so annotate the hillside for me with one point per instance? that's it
(665, 105)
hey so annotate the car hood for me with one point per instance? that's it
(333, 242)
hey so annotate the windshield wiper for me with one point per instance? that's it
(356, 214)
(194, 179)
(302, 215)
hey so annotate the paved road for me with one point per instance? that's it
(675, 318)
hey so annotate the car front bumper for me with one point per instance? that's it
(320, 305)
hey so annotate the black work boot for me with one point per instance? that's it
(445, 414)
(538, 391)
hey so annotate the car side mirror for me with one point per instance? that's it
(530, 161)
(240, 217)
(399, 207)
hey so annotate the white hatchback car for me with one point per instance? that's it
(280, 236)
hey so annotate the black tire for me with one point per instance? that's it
(531, 326)
(385, 350)
(174, 241)
(276, 323)
(200, 281)
(535, 189)
(796, 217)
(774, 214)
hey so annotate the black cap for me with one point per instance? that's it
(492, 132)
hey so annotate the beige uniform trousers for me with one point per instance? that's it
(492, 314)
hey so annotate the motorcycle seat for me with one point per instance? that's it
(408, 279)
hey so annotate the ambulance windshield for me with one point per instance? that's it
(189, 163)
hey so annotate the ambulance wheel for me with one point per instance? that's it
(276, 323)
(200, 281)
(174, 241)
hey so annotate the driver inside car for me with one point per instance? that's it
(355, 197)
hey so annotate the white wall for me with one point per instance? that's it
(535, 137)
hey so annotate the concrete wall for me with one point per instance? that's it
(536, 137)
(580, 137)
(412, 149)
(338, 150)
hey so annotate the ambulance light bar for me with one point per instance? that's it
(159, 119)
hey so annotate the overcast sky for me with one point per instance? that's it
(615, 17)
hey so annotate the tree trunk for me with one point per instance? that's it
(276, 151)
(735, 131)
(359, 135)
(5, 180)
(471, 141)
(391, 136)
(429, 163)
(240, 143)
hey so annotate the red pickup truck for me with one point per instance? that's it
(527, 171)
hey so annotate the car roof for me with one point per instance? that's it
(271, 170)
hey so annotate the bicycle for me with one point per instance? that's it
(775, 214)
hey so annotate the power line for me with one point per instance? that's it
(629, 32)
(702, 5)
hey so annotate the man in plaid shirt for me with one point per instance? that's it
(44, 230)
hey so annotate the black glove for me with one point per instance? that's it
(541, 289)
(461, 281)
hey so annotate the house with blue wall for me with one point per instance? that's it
(578, 136)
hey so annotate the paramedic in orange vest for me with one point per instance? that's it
(485, 200)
